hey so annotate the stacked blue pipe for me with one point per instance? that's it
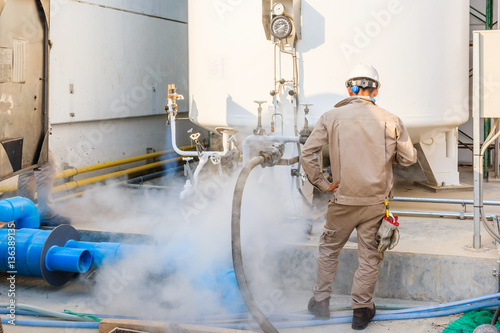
(68, 256)
(56, 255)
(28, 248)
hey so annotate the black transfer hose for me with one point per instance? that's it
(495, 317)
(252, 306)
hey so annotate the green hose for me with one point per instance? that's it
(50, 313)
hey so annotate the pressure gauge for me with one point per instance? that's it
(278, 8)
(281, 27)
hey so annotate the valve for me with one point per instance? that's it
(259, 130)
(173, 96)
(199, 147)
(195, 136)
(305, 132)
(215, 159)
(232, 140)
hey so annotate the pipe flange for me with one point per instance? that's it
(271, 155)
(59, 236)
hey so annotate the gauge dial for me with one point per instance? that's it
(281, 27)
(278, 8)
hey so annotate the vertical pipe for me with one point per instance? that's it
(489, 14)
(496, 159)
(487, 122)
(478, 171)
(486, 157)
(173, 131)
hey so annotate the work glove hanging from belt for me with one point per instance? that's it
(388, 233)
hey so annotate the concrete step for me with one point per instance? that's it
(432, 262)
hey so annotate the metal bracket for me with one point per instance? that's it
(289, 161)
(481, 249)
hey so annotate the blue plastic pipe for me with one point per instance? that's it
(28, 247)
(28, 250)
(52, 323)
(68, 260)
(75, 256)
(21, 210)
(339, 319)
(344, 319)
(104, 252)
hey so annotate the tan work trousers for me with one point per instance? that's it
(341, 220)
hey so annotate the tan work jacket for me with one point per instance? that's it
(364, 141)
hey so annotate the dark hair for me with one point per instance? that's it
(370, 90)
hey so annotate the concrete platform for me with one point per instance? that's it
(431, 263)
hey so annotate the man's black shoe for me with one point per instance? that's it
(55, 221)
(321, 309)
(361, 317)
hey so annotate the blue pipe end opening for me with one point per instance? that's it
(68, 259)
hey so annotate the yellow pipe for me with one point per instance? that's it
(71, 172)
(8, 188)
(75, 171)
(88, 181)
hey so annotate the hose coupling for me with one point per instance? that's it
(272, 155)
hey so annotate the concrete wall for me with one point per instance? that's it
(408, 276)
(111, 62)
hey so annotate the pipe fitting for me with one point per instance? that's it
(21, 210)
(68, 260)
(271, 155)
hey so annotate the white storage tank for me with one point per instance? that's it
(420, 49)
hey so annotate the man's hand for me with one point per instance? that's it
(332, 187)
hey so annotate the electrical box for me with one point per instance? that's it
(487, 73)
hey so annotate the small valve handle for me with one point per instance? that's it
(260, 103)
(194, 136)
(306, 108)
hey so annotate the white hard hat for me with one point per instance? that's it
(363, 71)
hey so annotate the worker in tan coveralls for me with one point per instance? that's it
(364, 142)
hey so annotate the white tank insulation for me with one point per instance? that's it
(420, 49)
